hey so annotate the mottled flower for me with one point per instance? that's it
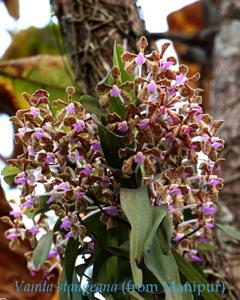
(21, 132)
(123, 126)
(105, 181)
(27, 203)
(180, 79)
(16, 213)
(68, 235)
(152, 87)
(79, 195)
(71, 109)
(31, 152)
(215, 181)
(209, 225)
(140, 59)
(144, 124)
(79, 126)
(13, 235)
(178, 236)
(111, 210)
(86, 170)
(196, 258)
(217, 145)
(21, 178)
(139, 158)
(50, 200)
(50, 158)
(95, 146)
(66, 223)
(115, 91)
(39, 133)
(53, 253)
(35, 112)
(34, 230)
(175, 190)
(165, 64)
(208, 210)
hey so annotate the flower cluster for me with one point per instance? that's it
(167, 138)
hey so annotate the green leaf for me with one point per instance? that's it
(107, 80)
(41, 208)
(229, 230)
(9, 173)
(63, 294)
(194, 277)
(76, 294)
(71, 254)
(108, 271)
(92, 105)
(187, 296)
(40, 253)
(162, 266)
(57, 224)
(206, 247)
(117, 61)
(164, 234)
(136, 206)
(115, 105)
(111, 144)
(124, 76)
(135, 295)
(69, 295)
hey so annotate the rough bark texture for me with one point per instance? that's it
(226, 106)
(90, 28)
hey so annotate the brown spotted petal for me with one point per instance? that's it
(142, 44)
(103, 88)
(186, 91)
(115, 73)
(127, 84)
(183, 69)
(143, 94)
(128, 57)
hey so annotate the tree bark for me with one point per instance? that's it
(90, 28)
(226, 106)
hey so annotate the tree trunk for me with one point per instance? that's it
(226, 106)
(90, 28)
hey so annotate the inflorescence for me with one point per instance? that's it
(168, 138)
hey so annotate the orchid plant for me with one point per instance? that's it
(127, 183)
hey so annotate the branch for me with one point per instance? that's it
(187, 38)
(197, 38)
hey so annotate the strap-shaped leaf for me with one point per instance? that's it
(194, 277)
(164, 234)
(115, 105)
(92, 105)
(117, 61)
(136, 206)
(40, 253)
(229, 230)
(162, 266)
(111, 144)
(71, 254)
